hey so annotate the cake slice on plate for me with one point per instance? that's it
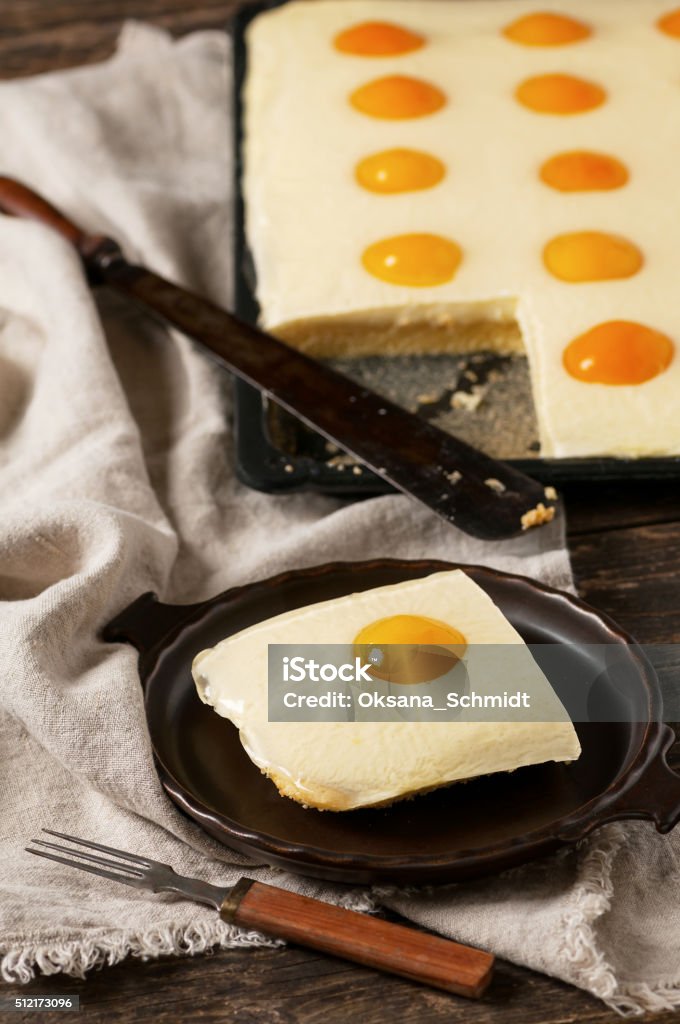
(341, 765)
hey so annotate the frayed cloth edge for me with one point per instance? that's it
(586, 964)
(635, 998)
(588, 967)
(78, 956)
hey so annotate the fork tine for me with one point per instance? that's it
(134, 870)
(144, 861)
(137, 882)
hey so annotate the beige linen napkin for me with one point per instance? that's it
(116, 478)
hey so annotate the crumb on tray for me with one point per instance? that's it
(468, 400)
(537, 516)
(428, 397)
(341, 461)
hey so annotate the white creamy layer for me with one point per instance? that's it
(343, 765)
(308, 221)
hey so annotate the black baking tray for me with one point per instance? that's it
(275, 452)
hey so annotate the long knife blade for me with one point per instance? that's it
(486, 498)
(482, 496)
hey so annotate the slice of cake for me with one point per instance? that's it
(340, 765)
(440, 176)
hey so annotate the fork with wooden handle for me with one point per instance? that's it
(288, 915)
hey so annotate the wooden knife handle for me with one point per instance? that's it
(18, 200)
(367, 940)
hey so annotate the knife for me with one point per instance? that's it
(484, 497)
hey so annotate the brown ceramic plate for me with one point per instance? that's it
(458, 832)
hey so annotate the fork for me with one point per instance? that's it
(277, 912)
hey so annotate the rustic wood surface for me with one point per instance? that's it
(625, 545)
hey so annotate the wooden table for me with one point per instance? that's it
(625, 545)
